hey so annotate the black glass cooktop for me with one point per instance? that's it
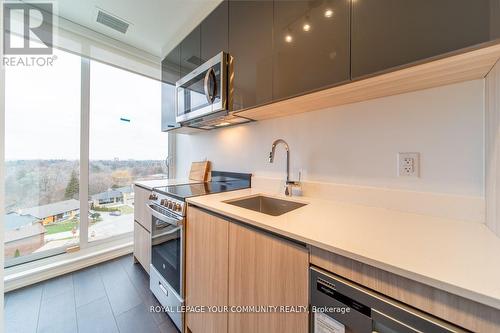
(221, 182)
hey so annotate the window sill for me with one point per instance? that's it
(43, 269)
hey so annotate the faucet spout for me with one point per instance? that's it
(271, 156)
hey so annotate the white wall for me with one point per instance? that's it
(358, 143)
(492, 149)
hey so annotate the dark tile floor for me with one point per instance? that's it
(110, 297)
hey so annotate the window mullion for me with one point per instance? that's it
(84, 151)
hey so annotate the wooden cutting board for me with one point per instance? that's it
(199, 171)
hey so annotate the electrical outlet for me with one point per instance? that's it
(409, 164)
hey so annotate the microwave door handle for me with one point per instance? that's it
(209, 76)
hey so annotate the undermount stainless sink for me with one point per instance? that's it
(266, 205)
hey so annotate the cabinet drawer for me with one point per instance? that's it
(142, 246)
(165, 294)
(141, 213)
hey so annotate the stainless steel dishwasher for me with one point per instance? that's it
(341, 306)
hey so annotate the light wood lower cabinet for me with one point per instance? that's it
(228, 264)
(142, 246)
(265, 270)
(142, 227)
(206, 270)
(452, 308)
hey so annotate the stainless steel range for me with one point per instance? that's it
(167, 206)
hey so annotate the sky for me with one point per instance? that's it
(42, 112)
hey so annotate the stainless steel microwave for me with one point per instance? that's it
(206, 91)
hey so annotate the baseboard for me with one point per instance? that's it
(17, 277)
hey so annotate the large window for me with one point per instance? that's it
(43, 137)
(42, 152)
(126, 143)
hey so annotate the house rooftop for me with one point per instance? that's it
(26, 231)
(52, 209)
(109, 194)
(125, 189)
(15, 221)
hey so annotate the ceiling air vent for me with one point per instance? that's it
(112, 22)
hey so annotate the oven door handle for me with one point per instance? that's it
(173, 231)
(164, 218)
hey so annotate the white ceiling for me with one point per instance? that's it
(156, 26)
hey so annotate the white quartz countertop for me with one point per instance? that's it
(460, 257)
(150, 184)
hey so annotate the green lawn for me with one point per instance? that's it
(68, 225)
(126, 209)
(61, 227)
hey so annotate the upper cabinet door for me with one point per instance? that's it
(251, 45)
(170, 73)
(311, 40)
(191, 51)
(214, 32)
(389, 33)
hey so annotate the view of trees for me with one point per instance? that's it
(73, 187)
(31, 183)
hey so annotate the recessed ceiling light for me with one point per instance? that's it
(306, 27)
(328, 13)
(288, 38)
(224, 123)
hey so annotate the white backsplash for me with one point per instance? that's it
(357, 144)
(467, 208)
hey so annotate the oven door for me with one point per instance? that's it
(204, 90)
(167, 243)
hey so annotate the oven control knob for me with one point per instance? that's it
(162, 202)
(152, 196)
(178, 207)
(170, 203)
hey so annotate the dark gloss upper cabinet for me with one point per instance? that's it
(170, 73)
(389, 33)
(214, 32)
(311, 41)
(191, 51)
(251, 45)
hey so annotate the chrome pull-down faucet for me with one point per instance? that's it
(289, 184)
